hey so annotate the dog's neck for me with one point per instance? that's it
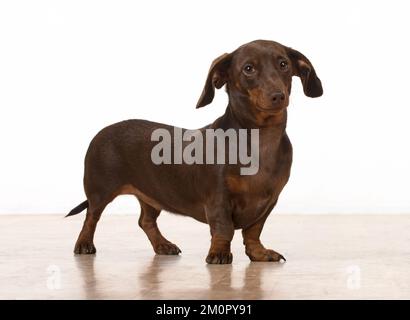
(267, 124)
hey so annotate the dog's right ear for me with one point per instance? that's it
(217, 77)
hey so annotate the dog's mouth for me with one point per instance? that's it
(273, 111)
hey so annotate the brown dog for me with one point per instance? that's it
(258, 81)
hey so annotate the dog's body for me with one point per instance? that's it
(119, 161)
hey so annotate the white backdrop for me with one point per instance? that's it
(69, 68)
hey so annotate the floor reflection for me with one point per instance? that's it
(86, 266)
(170, 277)
(218, 281)
(151, 280)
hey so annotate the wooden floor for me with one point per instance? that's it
(328, 257)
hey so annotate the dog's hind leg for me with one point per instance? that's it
(85, 244)
(148, 223)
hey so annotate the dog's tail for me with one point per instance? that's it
(82, 206)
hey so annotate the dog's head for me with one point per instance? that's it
(259, 75)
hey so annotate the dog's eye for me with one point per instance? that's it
(248, 69)
(284, 65)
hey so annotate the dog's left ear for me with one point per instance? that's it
(312, 86)
(217, 77)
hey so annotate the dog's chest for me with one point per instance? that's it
(253, 196)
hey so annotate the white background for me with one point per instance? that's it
(67, 69)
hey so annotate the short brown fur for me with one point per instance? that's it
(258, 81)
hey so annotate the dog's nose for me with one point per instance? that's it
(278, 97)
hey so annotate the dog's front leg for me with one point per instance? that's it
(222, 231)
(254, 248)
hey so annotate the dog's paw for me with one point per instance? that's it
(166, 248)
(85, 248)
(219, 258)
(262, 254)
